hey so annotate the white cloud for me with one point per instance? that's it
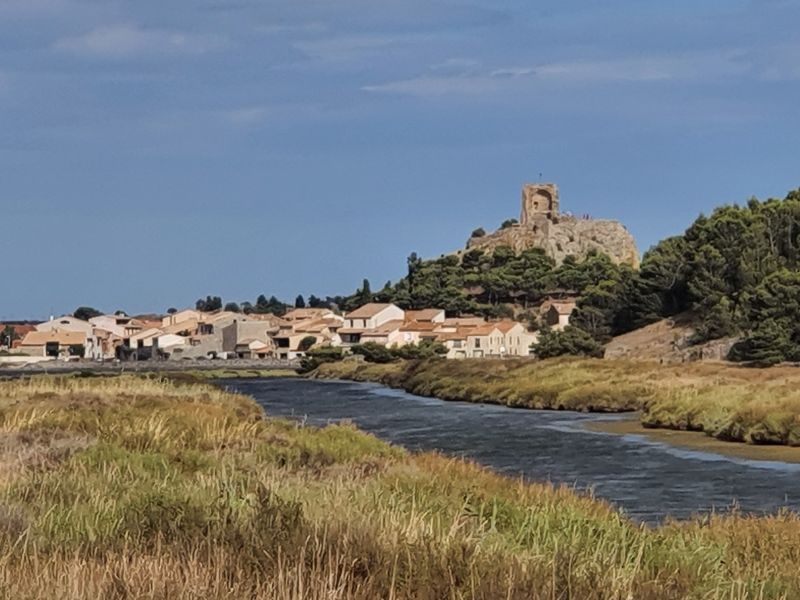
(471, 80)
(289, 29)
(780, 62)
(439, 86)
(248, 116)
(122, 41)
(347, 48)
(646, 69)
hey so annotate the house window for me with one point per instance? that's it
(477, 342)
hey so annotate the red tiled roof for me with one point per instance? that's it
(367, 311)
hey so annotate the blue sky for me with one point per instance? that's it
(154, 152)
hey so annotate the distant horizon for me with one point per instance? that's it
(289, 302)
(155, 153)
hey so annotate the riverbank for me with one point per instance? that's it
(140, 487)
(695, 440)
(726, 402)
(207, 368)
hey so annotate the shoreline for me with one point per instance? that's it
(629, 424)
(735, 406)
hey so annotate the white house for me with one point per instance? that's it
(92, 347)
(368, 317)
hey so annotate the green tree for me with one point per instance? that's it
(232, 307)
(8, 335)
(364, 293)
(306, 343)
(572, 341)
(211, 303)
(314, 302)
(373, 352)
(299, 302)
(508, 223)
(86, 312)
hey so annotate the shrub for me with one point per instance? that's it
(508, 223)
(314, 358)
(479, 233)
(572, 341)
(373, 352)
(306, 343)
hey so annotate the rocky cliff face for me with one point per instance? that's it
(560, 235)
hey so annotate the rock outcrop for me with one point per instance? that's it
(542, 225)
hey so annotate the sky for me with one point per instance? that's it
(155, 152)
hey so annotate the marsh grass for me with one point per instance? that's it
(756, 406)
(154, 489)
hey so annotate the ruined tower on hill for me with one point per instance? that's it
(538, 199)
(542, 225)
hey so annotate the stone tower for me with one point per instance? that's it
(538, 199)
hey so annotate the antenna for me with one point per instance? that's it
(540, 176)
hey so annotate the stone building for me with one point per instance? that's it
(542, 225)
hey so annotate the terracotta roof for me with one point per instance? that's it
(455, 335)
(189, 324)
(19, 329)
(349, 330)
(466, 321)
(426, 314)
(417, 326)
(505, 325)
(306, 313)
(384, 329)
(312, 326)
(367, 311)
(482, 330)
(64, 338)
(563, 308)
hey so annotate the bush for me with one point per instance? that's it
(306, 343)
(374, 353)
(314, 358)
(479, 233)
(572, 341)
(84, 313)
(425, 349)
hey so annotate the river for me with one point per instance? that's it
(648, 480)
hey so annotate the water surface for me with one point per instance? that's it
(647, 479)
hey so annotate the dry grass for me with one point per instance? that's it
(154, 490)
(759, 406)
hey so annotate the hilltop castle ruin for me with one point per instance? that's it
(542, 225)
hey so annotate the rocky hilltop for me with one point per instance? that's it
(542, 225)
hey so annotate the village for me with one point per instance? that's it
(192, 334)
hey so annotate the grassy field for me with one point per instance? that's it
(131, 487)
(757, 406)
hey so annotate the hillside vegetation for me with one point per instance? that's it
(725, 401)
(136, 488)
(737, 270)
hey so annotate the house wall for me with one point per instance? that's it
(179, 317)
(93, 348)
(390, 313)
(234, 333)
(518, 340)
